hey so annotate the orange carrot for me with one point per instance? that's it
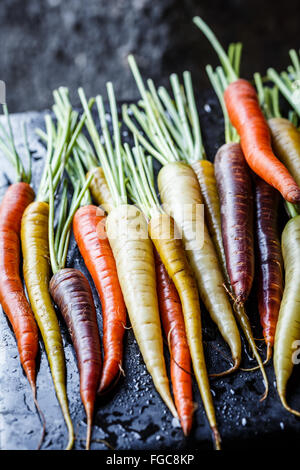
(173, 324)
(236, 201)
(246, 116)
(90, 235)
(12, 295)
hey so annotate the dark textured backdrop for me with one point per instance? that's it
(49, 43)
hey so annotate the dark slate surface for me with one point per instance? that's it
(55, 42)
(133, 416)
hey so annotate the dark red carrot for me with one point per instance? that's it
(91, 238)
(236, 200)
(12, 295)
(72, 294)
(246, 116)
(234, 187)
(174, 328)
(270, 285)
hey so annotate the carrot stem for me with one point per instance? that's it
(217, 80)
(268, 98)
(53, 257)
(285, 90)
(291, 209)
(295, 61)
(157, 130)
(62, 214)
(133, 128)
(90, 124)
(7, 145)
(230, 72)
(29, 156)
(172, 127)
(63, 247)
(18, 163)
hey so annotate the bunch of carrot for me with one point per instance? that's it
(156, 261)
(178, 147)
(286, 143)
(12, 295)
(261, 136)
(36, 254)
(234, 242)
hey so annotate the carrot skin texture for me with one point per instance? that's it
(133, 251)
(12, 294)
(72, 294)
(246, 116)
(36, 268)
(173, 325)
(235, 192)
(205, 173)
(181, 197)
(288, 326)
(270, 285)
(286, 144)
(100, 190)
(93, 244)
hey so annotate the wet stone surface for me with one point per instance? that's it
(133, 416)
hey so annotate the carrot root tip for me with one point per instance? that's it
(228, 371)
(252, 369)
(122, 370)
(286, 406)
(105, 387)
(89, 432)
(41, 417)
(217, 438)
(269, 353)
(266, 392)
(186, 425)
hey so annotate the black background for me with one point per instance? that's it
(49, 43)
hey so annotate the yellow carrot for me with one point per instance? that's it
(99, 188)
(168, 243)
(179, 179)
(162, 231)
(36, 267)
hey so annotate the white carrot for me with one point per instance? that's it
(171, 141)
(132, 249)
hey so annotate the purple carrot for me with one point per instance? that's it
(270, 286)
(236, 200)
(72, 294)
(234, 187)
